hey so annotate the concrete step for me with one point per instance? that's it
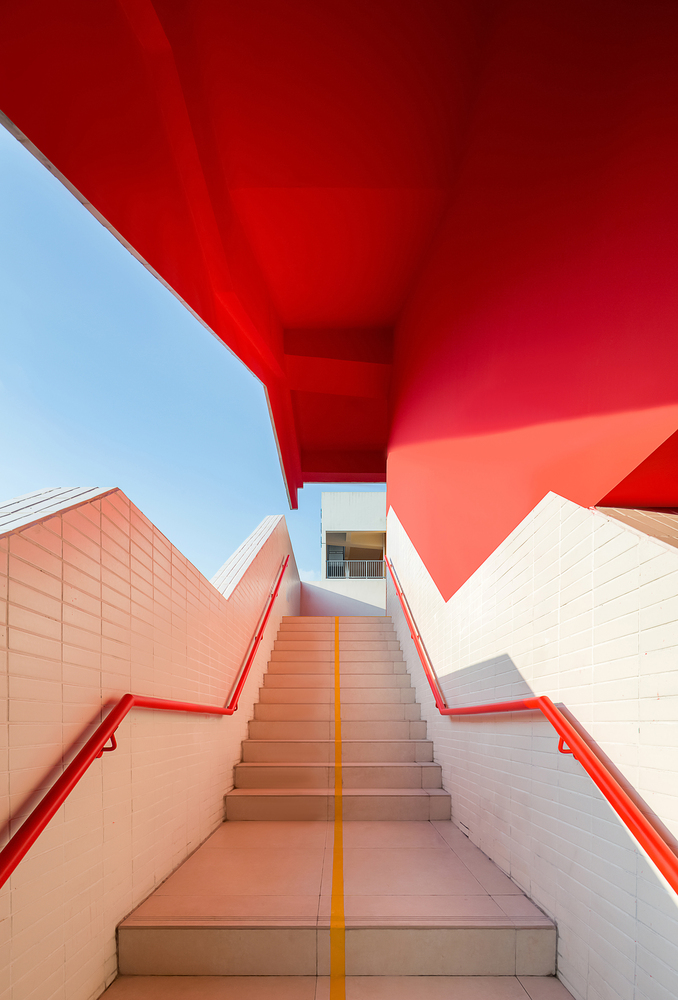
(369, 645)
(352, 695)
(380, 774)
(374, 665)
(367, 620)
(350, 711)
(317, 804)
(325, 655)
(260, 729)
(255, 900)
(345, 635)
(326, 680)
(328, 633)
(360, 667)
(312, 988)
(321, 751)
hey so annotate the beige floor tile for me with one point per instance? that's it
(413, 871)
(421, 906)
(517, 906)
(212, 988)
(248, 871)
(383, 775)
(488, 874)
(308, 751)
(430, 951)
(323, 939)
(382, 804)
(357, 988)
(322, 988)
(300, 835)
(391, 835)
(294, 712)
(296, 695)
(278, 804)
(160, 906)
(298, 730)
(536, 951)
(544, 988)
(326, 885)
(433, 988)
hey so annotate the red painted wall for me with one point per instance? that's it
(539, 350)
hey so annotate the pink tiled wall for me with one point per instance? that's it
(96, 602)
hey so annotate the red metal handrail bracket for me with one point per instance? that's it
(658, 842)
(31, 829)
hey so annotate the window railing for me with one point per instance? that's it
(356, 569)
(31, 829)
(649, 831)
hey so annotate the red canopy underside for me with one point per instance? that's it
(442, 230)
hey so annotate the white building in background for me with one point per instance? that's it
(353, 545)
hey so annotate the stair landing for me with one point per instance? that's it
(420, 900)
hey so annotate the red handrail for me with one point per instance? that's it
(658, 842)
(31, 829)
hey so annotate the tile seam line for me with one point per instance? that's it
(337, 918)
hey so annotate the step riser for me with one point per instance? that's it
(289, 808)
(345, 632)
(313, 711)
(371, 646)
(363, 667)
(345, 635)
(414, 730)
(396, 808)
(322, 751)
(291, 730)
(327, 655)
(328, 623)
(353, 776)
(299, 730)
(326, 680)
(288, 751)
(370, 951)
(402, 751)
(343, 620)
(349, 696)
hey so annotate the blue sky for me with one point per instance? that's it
(107, 380)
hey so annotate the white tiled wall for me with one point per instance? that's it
(577, 606)
(96, 602)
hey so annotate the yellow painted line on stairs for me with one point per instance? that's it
(337, 922)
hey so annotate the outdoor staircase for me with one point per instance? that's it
(421, 902)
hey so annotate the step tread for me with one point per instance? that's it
(345, 763)
(247, 792)
(385, 923)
